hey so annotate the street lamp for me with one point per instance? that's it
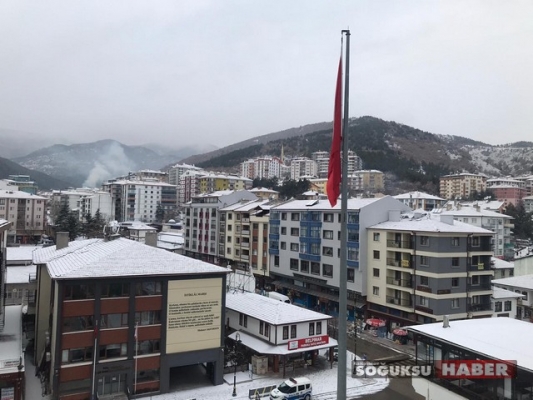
(237, 340)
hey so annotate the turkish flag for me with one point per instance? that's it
(334, 167)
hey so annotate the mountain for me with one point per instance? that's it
(411, 158)
(181, 152)
(89, 164)
(18, 143)
(43, 181)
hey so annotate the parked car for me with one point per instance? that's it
(293, 389)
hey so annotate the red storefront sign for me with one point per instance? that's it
(308, 342)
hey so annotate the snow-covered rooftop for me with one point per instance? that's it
(525, 252)
(497, 263)
(17, 194)
(487, 336)
(263, 190)
(522, 281)
(93, 258)
(323, 204)
(137, 225)
(417, 195)
(473, 212)
(21, 253)
(273, 311)
(245, 205)
(499, 293)
(430, 223)
(16, 275)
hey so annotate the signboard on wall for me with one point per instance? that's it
(7, 393)
(308, 342)
(194, 314)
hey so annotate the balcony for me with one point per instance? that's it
(480, 287)
(480, 307)
(424, 309)
(399, 244)
(405, 302)
(426, 289)
(398, 263)
(245, 245)
(406, 283)
(480, 267)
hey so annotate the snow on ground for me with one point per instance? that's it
(324, 383)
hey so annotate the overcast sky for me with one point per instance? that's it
(218, 72)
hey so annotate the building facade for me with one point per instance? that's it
(424, 267)
(113, 317)
(304, 248)
(303, 167)
(262, 168)
(176, 171)
(421, 201)
(26, 212)
(366, 181)
(462, 186)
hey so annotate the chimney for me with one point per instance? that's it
(150, 238)
(62, 239)
(446, 321)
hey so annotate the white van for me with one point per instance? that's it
(279, 296)
(293, 389)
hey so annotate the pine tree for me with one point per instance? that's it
(159, 213)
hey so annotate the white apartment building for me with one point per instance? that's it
(421, 201)
(322, 159)
(500, 224)
(462, 186)
(304, 248)
(367, 181)
(176, 171)
(146, 174)
(262, 168)
(189, 186)
(502, 268)
(505, 302)
(85, 201)
(303, 167)
(139, 200)
(26, 212)
(523, 285)
(510, 182)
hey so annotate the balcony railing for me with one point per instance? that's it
(399, 244)
(405, 302)
(481, 286)
(424, 309)
(407, 283)
(480, 307)
(426, 289)
(479, 267)
(398, 263)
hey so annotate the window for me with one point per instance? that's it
(327, 234)
(114, 350)
(79, 292)
(319, 328)
(475, 241)
(285, 332)
(353, 218)
(424, 281)
(455, 261)
(498, 306)
(376, 236)
(455, 303)
(455, 242)
(229, 239)
(294, 247)
(148, 317)
(294, 264)
(283, 245)
(475, 280)
(114, 320)
(304, 266)
(424, 241)
(74, 324)
(376, 272)
(507, 305)
(327, 270)
(350, 272)
(311, 328)
(229, 228)
(150, 288)
(375, 290)
(424, 260)
(315, 268)
(284, 216)
(376, 254)
(455, 282)
(353, 235)
(148, 346)
(267, 330)
(77, 355)
(328, 217)
(243, 320)
(327, 251)
(295, 232)
(295, 216)
(315, 249)
(261, 324)
(424, 301)
(353, 254)
(283, 230)
(293, 331)
(276, 261)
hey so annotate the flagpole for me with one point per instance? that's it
(93, 396)
(343, 290)
(136, 356)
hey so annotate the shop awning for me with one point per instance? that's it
(262, 347)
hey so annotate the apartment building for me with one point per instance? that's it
(500, 224)
(366, 181)
(522, 284)
(422, 267)
(22, 183)
(508, 194)
(304, 248)
(189, 186)
(26, 212)
(4, 228)
(264, 193)
(139, 200)
(203, 227)
(146, 175)
(115, 316)
(85, 201)
(211, 182)
(243, 238)
(322, 159)
(421, 201)
(462, 186)
(176, 171)
(263, 168)
(505, 302)
(303, 167)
